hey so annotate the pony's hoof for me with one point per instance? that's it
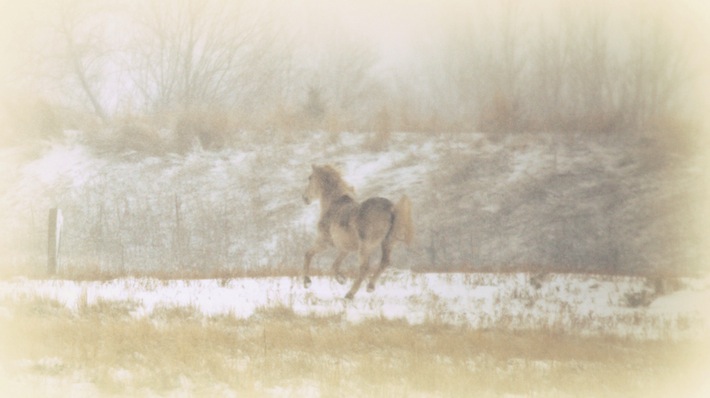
(370, 287)
(340, 278)
(306, 282)
(349, 296)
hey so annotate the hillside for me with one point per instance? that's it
(481, 202)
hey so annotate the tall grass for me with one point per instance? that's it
(277, 352)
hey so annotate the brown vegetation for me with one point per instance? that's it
(102, 350)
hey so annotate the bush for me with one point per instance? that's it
(165, 133)
(500, 115)
(130, 134)
(212, 130)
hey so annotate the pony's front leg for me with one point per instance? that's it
(318, 247)
(364, 267)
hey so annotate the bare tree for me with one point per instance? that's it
(483, 64)
(548, 64)
(572, 71)
(191, 53)
(596, 72)
(84, 50)
(343, 80)
(479, 66)
(656, 67)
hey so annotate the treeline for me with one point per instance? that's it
(173, 74)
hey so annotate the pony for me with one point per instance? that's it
(351, 226)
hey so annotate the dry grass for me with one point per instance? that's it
(101, 350)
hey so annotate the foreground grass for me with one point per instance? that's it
(45, 350)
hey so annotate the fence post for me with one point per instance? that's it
(55, 234)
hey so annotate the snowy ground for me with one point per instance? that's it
(578, 304)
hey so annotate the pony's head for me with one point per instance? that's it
(325, 182)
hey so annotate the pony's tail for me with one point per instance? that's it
(403, 227)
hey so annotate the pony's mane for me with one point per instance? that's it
(332, 182)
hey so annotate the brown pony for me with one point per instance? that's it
(350, 226)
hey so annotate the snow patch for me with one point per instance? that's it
(584, 304)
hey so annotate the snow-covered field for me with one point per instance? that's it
(577, 304)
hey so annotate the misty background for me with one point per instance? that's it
(551, 134)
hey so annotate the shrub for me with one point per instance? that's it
(638, 298)
(212, 130)
(125, 134)
(501, 114)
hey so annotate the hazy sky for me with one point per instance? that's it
(394, 27)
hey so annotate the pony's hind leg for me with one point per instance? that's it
(365, 252)
(386, 250)
(318, 247)
(336, 267)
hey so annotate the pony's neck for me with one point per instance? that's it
(329, 198)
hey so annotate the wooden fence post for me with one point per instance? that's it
(55, 234)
